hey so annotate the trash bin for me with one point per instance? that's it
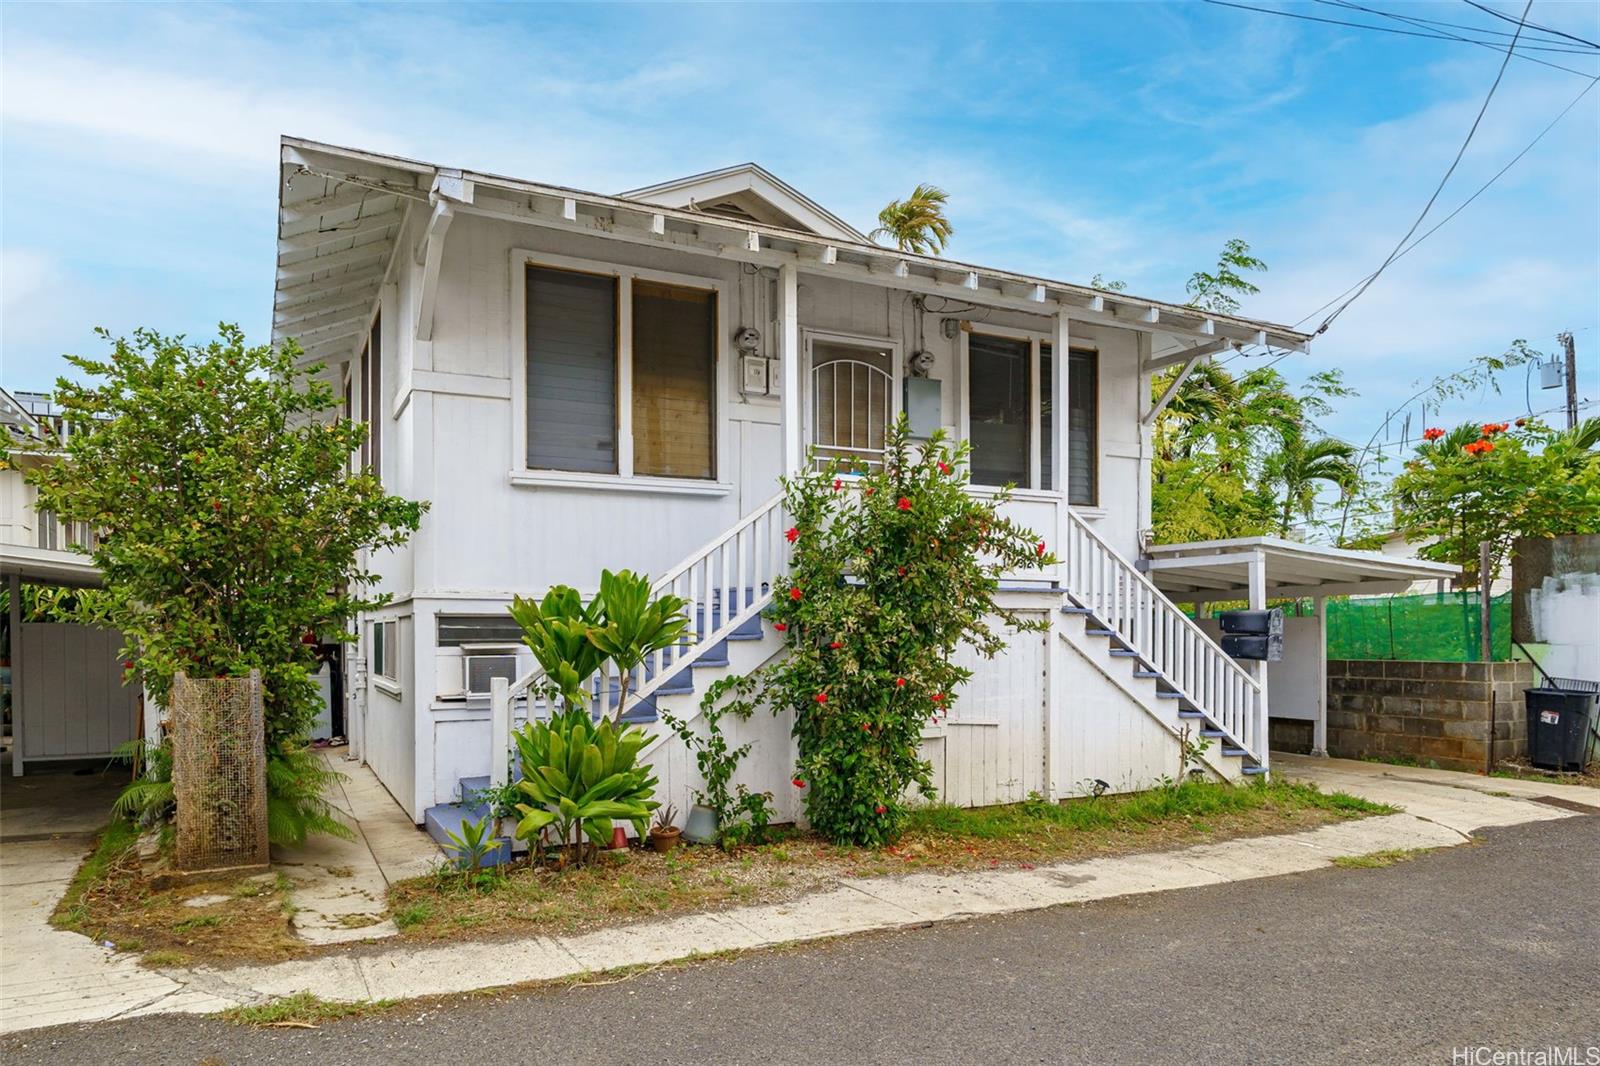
(1558, 722)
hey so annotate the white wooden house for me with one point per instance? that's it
(576, 380)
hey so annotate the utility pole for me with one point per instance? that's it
(1565, 340)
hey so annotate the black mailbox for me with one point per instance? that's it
(1254, 635)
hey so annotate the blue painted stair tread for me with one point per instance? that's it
(447, 818)
(1254, 770)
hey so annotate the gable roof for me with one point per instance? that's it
(751, 193)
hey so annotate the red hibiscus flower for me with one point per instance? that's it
(836, 645)
(1432, 433)
(795, 593)
(821, 697)
(837, 484)
(798, 783)
(216, 505)
(1038, 549)
(865, 728)
(903, 503)
(899, 682)
(868, 491)
(880, 808)
(901, 570)
(127, 664)
(792, 534)
(938, 697)
(781, 627)
(944, 467)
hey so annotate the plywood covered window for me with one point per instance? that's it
(674, 380)
(572, 371)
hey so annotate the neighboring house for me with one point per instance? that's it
(1396, 546)
(576, 381)
(64, 696)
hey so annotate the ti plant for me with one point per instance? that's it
(557, 629)
(472, 845)
(633, 625)
(579, 777)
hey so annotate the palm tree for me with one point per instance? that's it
(1302, 463)
(917, 223)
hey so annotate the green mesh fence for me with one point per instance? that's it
(1442, 627)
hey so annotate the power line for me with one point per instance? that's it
(1531, 25)
(1403, 33)
(1481, 190)
(1416, 21)
(1395, 254)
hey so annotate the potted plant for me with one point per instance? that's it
(664, 834)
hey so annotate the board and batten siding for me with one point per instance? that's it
(72, 694)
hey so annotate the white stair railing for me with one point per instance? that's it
(726, 583)
(1122, 598)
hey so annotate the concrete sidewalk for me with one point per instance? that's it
(1441, 811)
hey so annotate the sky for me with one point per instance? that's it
(138, 148)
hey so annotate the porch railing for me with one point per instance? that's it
(726, 583)
(1128, 602)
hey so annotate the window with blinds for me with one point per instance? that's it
(1083, 427)
(674, 380)
(1000, 387)
(572, 371)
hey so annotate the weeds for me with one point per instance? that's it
(1375, 860)
(302, 1010)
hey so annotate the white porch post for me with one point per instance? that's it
(1060, 468)
(1258, 670)
(499, 731)
(1319, 732)
(789, 365)
(15, 616)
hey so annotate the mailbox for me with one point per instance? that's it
(1254, 635)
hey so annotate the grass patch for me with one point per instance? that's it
(522, 899)
(1589, 777)
(302, 1010)
(1401, 760)
(110, 899)
(114, 844)
(1375, 860)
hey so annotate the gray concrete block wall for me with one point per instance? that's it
(1428, 712)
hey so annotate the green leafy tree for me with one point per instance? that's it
(231, 526)
(1498, 482)
(635, 624)
(916, 224)
(557, 630)
(1219, 289)
(891, 571)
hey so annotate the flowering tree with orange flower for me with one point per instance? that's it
(1496, 482)
(893, 568)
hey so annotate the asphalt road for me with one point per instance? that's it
(1495, 945)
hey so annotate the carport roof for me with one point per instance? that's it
(44, 566)
(1220, 569)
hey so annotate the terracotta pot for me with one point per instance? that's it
(664, 840)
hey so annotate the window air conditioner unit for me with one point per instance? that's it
(482, 668)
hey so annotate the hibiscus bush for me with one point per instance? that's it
(892, 569)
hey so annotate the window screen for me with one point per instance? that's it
(1083, 428)
(458, 629)
(674, 380)
(572, 371)
(998, 373)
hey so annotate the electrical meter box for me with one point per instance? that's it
(924, 406)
